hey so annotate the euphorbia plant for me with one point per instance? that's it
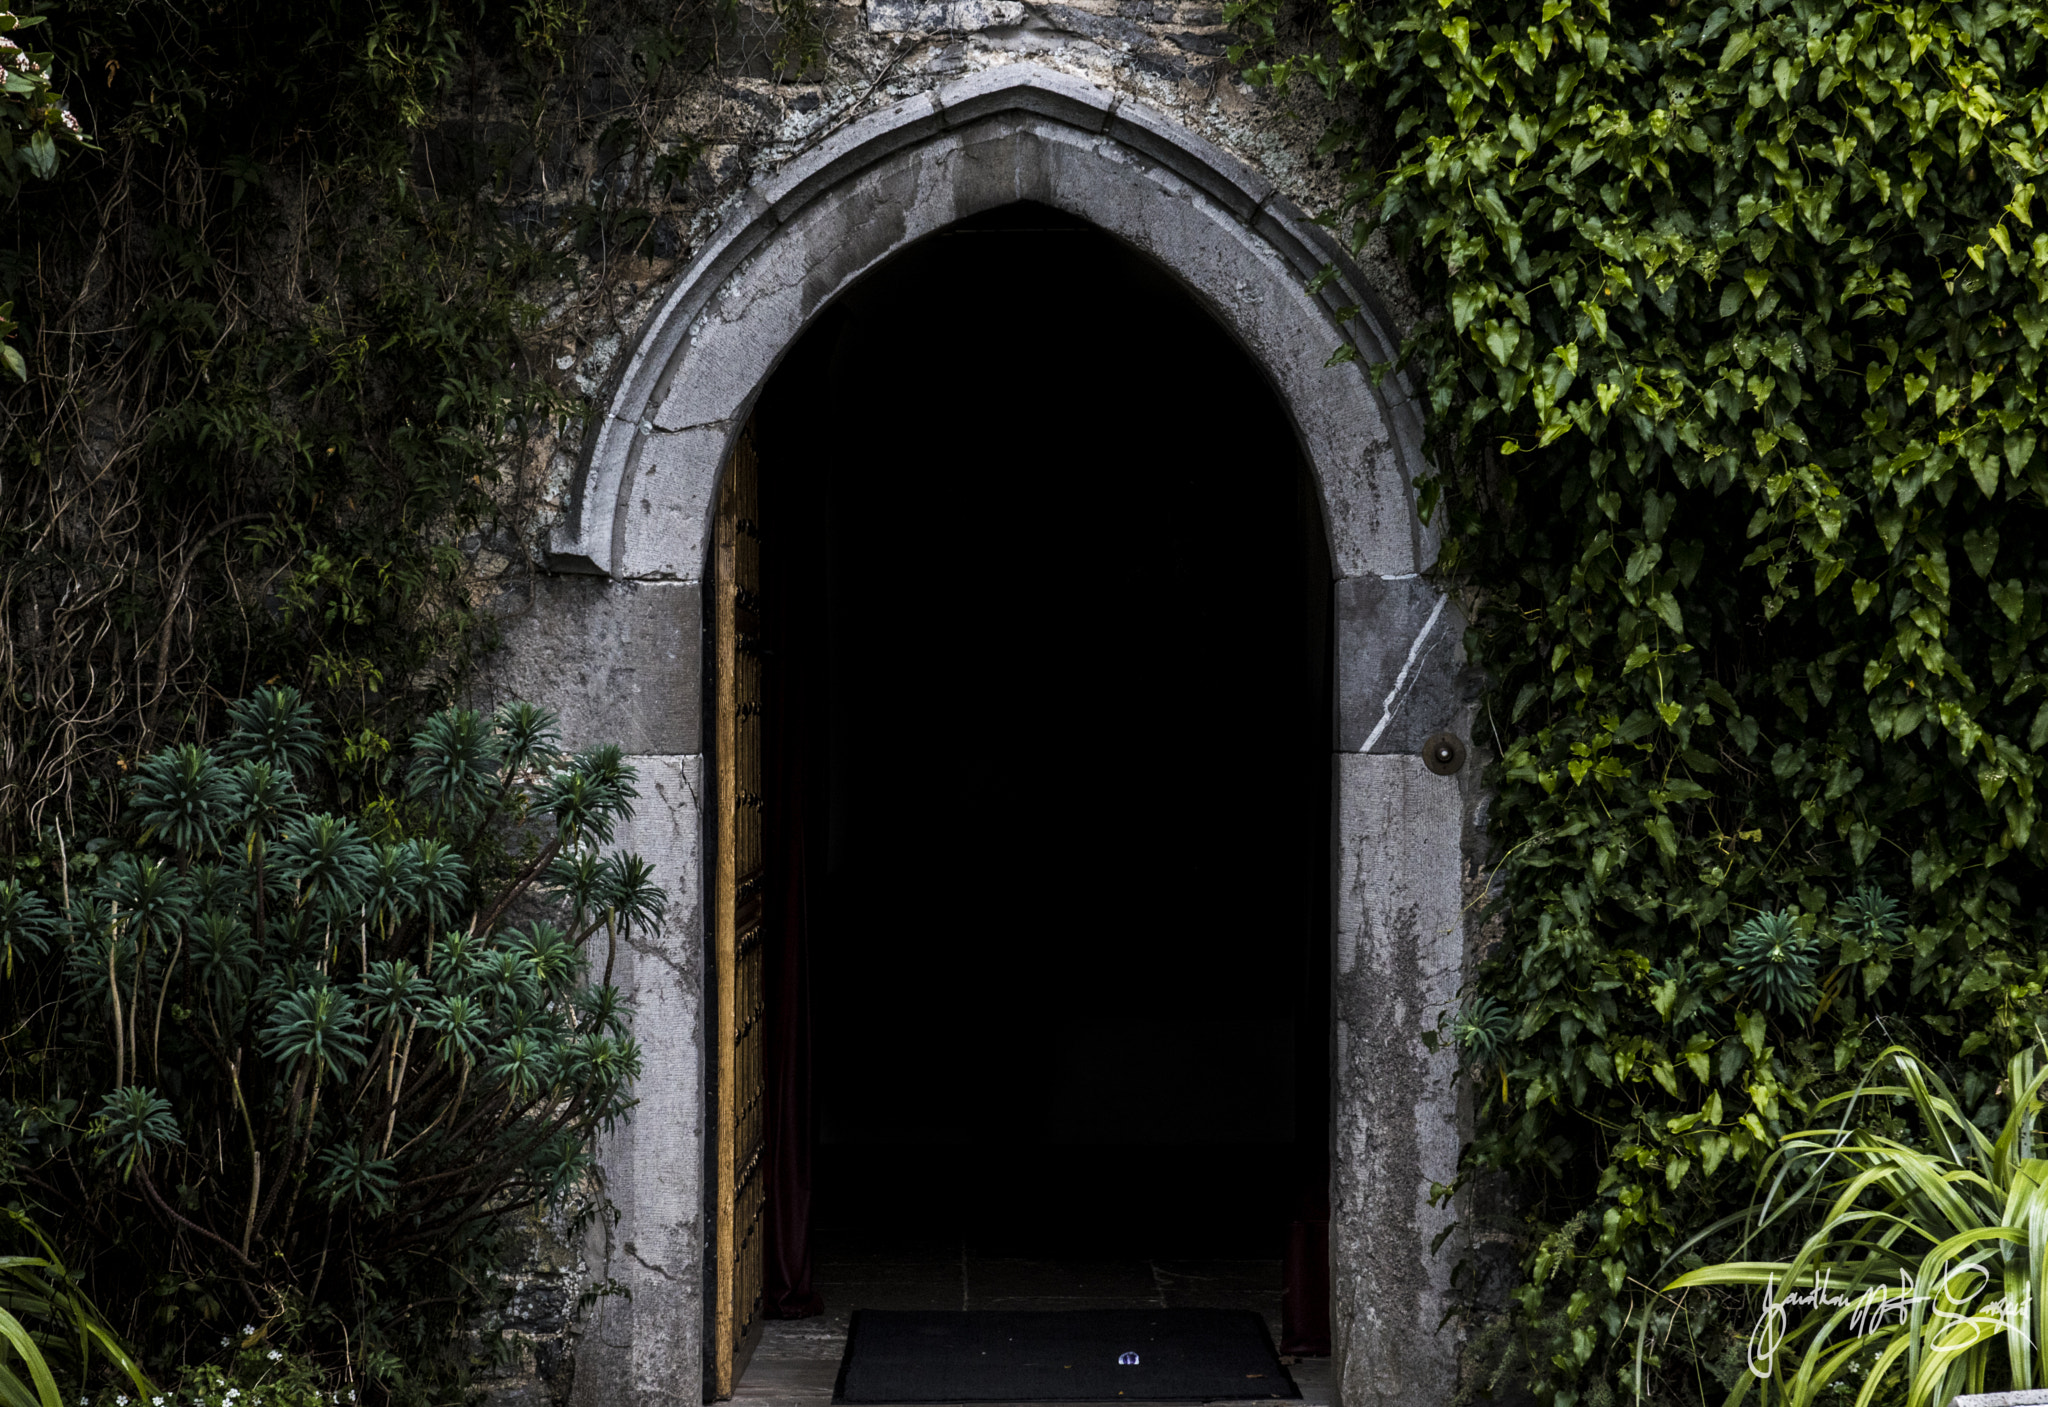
(317, 1030)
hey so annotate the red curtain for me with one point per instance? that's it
(1305, 1268)
(1305, 1290)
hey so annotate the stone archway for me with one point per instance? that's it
(613, 641)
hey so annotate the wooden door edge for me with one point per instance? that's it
(724, 1374)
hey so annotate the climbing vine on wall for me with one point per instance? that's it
(1735, 379)
(289, 341)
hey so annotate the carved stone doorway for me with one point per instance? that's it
(613, 636)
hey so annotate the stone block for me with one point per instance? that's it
(520, 1392)
(665, 514)
(941, 16)
(855, 146)
(743, 326)
(1400, 664)
(1224, 179)
(1399, 960)
(746, 326)
(1395, 424)
(1310, 248)
(621, 662)
(989, 164)
(1027, 88)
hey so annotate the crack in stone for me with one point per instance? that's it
(683, 776)
(1403, 679)
(650, 1265)
(653, 948)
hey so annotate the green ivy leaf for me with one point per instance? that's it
(1750, 1025)
(40, 155)
(1666, 606)
(1980, 545)
(2011, 598)
(1984, 469)
(2033, 322)
(2019, 451)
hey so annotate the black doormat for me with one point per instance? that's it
(1066, 1355)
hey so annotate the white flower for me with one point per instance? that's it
(225, 1340)
(248, 1329)
(156, 1402)
(273, 1355)
(121, 1399)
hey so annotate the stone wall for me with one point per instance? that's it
(524, 1349)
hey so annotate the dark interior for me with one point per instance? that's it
(1048, 587)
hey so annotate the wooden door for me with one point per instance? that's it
(739, 889)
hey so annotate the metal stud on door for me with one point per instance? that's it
(738, 914)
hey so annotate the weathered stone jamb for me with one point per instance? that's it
(645, 1348)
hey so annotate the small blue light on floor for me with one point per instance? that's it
(1128, 1360)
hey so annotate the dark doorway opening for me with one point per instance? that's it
(1048, 593)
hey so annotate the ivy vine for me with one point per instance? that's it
(1736, 391)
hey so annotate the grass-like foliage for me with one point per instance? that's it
(1735, 383)
(327, 1052)
(1927, 1270)
(49, 1330)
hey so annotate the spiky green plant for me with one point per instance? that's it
(26, 921)
(320, 1028)
(1870, 917)
(1778, 961)
(1928, 1265)
(1481, 1029)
